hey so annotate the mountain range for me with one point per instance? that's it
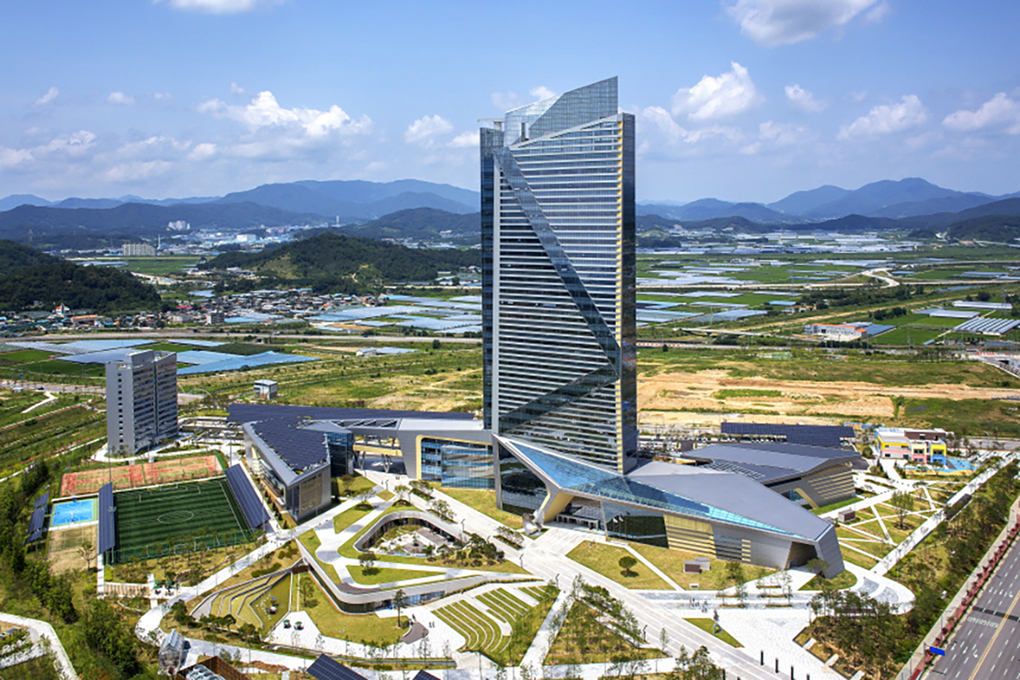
(348, 201)
(911, 197)
(414, 209)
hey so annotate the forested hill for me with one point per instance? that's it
(32, 280)
(15, 257)
(346, 264)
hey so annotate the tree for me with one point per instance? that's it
(367, 562)
(903, 501)
(399, 601)
(628, 562)
(696, 666)
(402, 491)
(103, 631)
(442, 509)
(436, 344)
(421, 488)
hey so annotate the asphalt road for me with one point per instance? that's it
(986, 645)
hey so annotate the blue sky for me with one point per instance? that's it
(743, 100)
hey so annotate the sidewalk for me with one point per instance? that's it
(41, 629)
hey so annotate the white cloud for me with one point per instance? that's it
(728, 95)
(857, 96)
(220, 6)
(424, 130)
(776, 135)
(50, 95)
(74, 144)
(784, 22)
(120, 99)
(236, 89)
(11, 157)
(162, 96)
(1000, 110)
(541, 92)
(887, 118)
(157, 146)
(202, 152)
(265, 112)
(465, 140)
(804, 100)
(675, 133)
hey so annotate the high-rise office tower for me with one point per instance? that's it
(141, 401)
(558, 277)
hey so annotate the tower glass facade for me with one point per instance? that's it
(141, 401)
(558, 277)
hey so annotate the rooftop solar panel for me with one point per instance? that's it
(424, 675)
(325, 668)
(251, 507)
(298, 447)
(41, 500)
(812, 435)
(107, 538)
(35, 523)
(246, 413)
(34, 536)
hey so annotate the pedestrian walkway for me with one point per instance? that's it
(40, 631)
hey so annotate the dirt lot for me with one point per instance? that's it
(692, 398)
(64, 544)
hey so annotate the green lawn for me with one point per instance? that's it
(906, 336)
(605, 560)
(348, 517)
(708, 626)
(23, 356)
(671, 562)
(484, 502)
(842, 580)
(367, 629)
(376, 575)
(836, 506)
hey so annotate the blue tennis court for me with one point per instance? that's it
(72, 512)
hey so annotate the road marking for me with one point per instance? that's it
(992, 641)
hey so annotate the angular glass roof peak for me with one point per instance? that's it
(575, 477)
(570, 109)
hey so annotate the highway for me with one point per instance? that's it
(986, 645)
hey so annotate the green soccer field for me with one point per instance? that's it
(177, 519)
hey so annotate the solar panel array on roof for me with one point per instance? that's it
(35, 524)
(370, 422)
(247, 413)
(107, 538)
(299, 448)
(41, 500)
(325, 668)
(251, 507)
(810, 435)
(424, 675)
(726, 466)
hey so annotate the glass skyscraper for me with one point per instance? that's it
(558, 277)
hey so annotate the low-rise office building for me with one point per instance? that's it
(742, 502)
